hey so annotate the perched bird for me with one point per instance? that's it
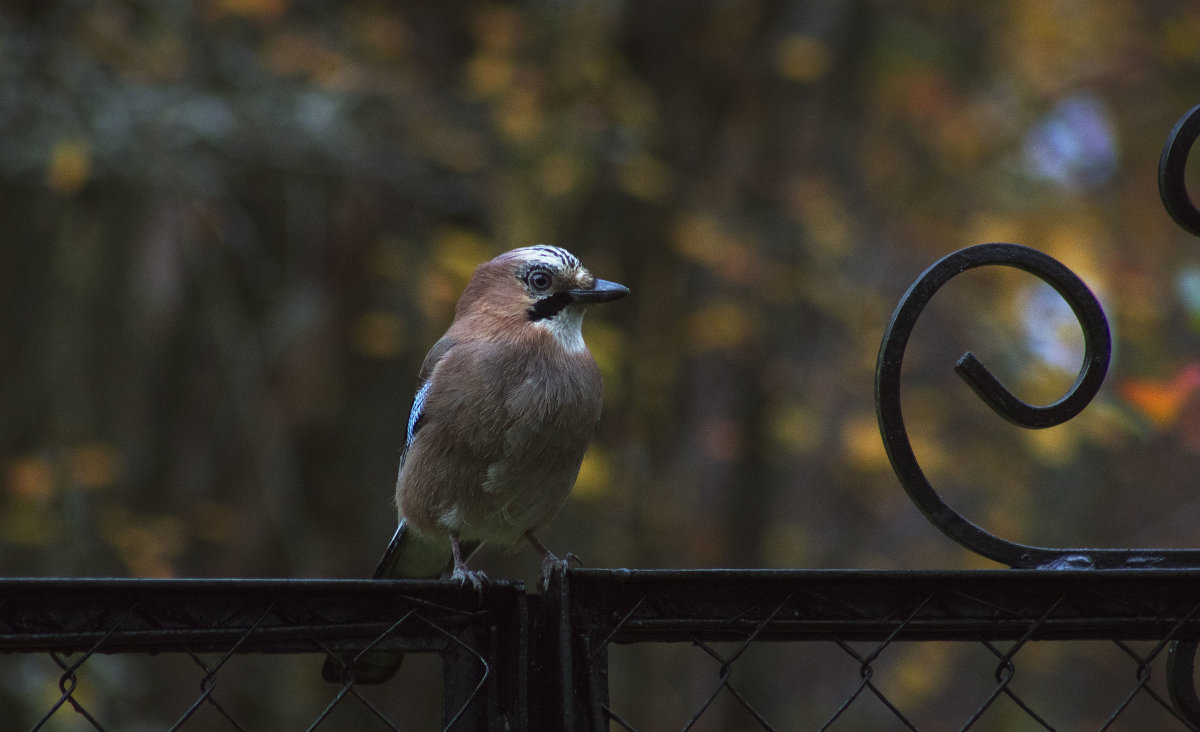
(507, 402)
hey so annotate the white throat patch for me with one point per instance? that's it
(566, 327)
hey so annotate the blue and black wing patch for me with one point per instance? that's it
(416, 418)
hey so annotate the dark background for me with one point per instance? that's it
(230, 229)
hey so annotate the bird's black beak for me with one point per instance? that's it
(600, 291)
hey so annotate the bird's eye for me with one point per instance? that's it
(539, 280)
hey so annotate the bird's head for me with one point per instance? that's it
(543, 287)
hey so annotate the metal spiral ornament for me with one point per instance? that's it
(1172, 186)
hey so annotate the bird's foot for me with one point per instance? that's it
(552, 564)
(462, 572)
(465, 574)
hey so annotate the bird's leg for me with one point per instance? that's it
(462, 572)
(549, 561)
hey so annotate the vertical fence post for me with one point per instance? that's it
(483, 670)
(597, 677)
(568, 687)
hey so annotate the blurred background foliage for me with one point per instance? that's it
(232, 228)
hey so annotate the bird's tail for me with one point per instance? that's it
(408, 556)
(412, 556)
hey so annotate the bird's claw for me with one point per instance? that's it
(552, 564)
(464, 575)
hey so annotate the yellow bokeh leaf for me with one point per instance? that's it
(31, 477)
(645, 177)
(520, 114)
(862, 443)
(796, 428)
(595, 475)
(378, 334)
(719, 325)
(267, 9)
(606, 343)
(146, 544)
(922, 671)
(704, 239)
(95, 465)
(787, 546)
(70, 165)
(29, 522)
(802, 58)
(498, 28)
(560, 173)
(1053, 447)
(459, 251)
(1179, 38)
(489, 74)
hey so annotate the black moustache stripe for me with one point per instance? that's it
(550, 306)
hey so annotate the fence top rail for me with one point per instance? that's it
(621, 605)
(668, 605)
(453, 596)
(254, 615)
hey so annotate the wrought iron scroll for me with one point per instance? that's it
(1172, 187)
(1097, 350)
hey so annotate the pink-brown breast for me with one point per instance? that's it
(502, 441)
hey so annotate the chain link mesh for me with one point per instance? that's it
(702, 651)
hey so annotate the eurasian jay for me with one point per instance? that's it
(507, 402)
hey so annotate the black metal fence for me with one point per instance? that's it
(515, 660)
(519, 661)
